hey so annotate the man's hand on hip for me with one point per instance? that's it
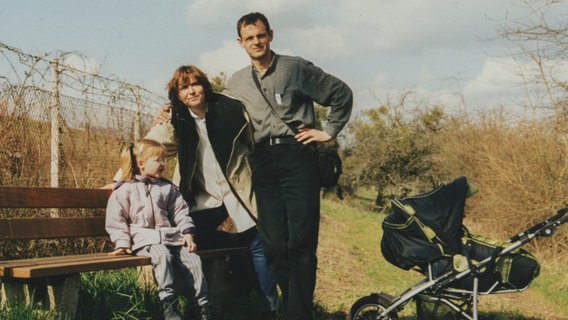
(308, 135)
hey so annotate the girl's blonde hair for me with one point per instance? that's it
(140, 150)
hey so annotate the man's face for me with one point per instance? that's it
(255, 39)
(192, 94)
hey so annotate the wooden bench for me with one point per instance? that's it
(20, 278)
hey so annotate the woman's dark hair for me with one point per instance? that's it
(183, 76)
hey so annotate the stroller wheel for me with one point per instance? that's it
(370, 307)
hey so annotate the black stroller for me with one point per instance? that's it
(425, 233)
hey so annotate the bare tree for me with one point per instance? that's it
(541, 39)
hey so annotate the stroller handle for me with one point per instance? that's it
(559, 214)
(544, 228)
(554, 225)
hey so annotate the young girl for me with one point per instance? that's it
(147, 216)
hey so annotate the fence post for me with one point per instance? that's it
(55, 105)
(138, 117)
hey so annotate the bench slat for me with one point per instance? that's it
(94, 264)
(7, 265)
(50, 266)
(49, 228)
(32, 197)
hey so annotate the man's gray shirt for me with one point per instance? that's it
(292, 85)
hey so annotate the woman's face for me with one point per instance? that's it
(192, 94)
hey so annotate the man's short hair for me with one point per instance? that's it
(251, 18)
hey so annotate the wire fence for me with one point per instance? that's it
(62, 123)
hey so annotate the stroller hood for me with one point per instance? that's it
(423, 228)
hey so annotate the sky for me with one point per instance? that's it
(445, 51)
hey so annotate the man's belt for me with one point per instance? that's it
(273, 141)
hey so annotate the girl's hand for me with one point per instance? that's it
(120, 251)
(189, 243)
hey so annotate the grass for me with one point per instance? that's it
(350, 263)
(350, 266)
(27, 312)
(115, 295)
(553, 285)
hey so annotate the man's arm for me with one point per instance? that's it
(328, 91)
(164, 134)
(163, 115)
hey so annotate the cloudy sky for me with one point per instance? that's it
(438, 48)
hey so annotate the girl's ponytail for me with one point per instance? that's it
(128, 163)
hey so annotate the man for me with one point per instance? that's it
(284, 165)
(212, 138)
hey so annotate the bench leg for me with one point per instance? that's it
(215, 270)
(63, 294)
(17, 291)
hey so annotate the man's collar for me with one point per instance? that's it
(272, 63)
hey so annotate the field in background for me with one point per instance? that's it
(519, 164)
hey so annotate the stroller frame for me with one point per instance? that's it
(381, 306)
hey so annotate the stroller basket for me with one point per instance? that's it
(425, 233)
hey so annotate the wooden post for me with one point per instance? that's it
(21, 291)
(137, 119)
(63, 294)
(55, 106)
